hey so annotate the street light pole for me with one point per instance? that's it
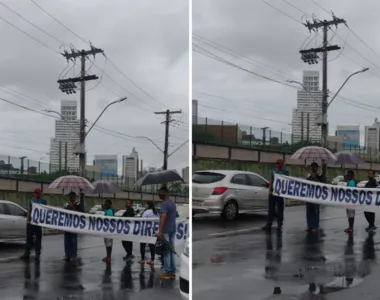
(97, 119)
(150, 140)
(324, 114)
(348, 78)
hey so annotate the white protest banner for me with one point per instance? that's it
(327, 194)
(141, 230)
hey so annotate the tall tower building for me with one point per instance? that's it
(372, 138)
(309, 109)
(66, 131)
(195, 112)
(131, 167)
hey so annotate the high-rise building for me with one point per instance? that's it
(185, 174)
(309, 109)
(107, 165)
(195, 111)
(131, 167)
(372, 138)
(67, 131)
(350, 135)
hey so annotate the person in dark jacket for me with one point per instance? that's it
(71, 239)
(128, 246)
(312, 209)
(370, 216)
(33, 230)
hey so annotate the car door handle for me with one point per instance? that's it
(237, 191)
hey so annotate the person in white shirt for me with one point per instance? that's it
(149, 212)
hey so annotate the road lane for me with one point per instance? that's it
(251, 265)
(52, 278)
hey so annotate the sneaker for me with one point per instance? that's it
(150, 262)
(372, 229)
(142, 262)
(128, 257)
(37, 257)
(368, 228)
(25, 256)
(171, 276)
(165, 275)
(267, 227)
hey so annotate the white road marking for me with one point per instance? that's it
(252, 229)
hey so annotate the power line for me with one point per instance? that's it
(111, 62)
(282, 12)
(260, 118)
(238, 55)
(27, 34)
(135, 84)
(59, 22)
(35, 26)
(220, 59)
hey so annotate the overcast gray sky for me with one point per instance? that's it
(271, 41)
(146, 39)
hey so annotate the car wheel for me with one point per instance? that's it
(230, 211)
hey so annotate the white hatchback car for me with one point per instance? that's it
(184, 273)
(12, 221)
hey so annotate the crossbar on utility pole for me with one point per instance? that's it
(310, 56)
(168, 113)
(68, 86)
(325, 25)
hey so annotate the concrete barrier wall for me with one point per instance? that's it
(248, 155)
(262, 162)
(20, 191)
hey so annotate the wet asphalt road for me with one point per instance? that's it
(53, 278)
(238, 259)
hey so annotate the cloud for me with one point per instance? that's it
(268, 43)
(147, 40)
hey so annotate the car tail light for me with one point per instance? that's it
(220, 190)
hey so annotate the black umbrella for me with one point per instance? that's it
(159, 177)
(106, 187)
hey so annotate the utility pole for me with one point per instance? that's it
(60, 157)
(66, 157)
(302, 126)
(22, 164)
(308, 127)
(168, 113)
(264, 129)
(310, 56)
(68, 86)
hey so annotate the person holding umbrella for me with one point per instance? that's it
(312, 209)
(71, 239)
(167, 231)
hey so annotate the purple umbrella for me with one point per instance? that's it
(106, 187)
(347, 158)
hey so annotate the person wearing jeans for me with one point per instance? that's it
(33, 230)
(71, 239)
(273, 200)
(149, 212)
(370, 216)
(167, 231)
(128, 245)
(312, 209)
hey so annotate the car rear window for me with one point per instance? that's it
(207, 177)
